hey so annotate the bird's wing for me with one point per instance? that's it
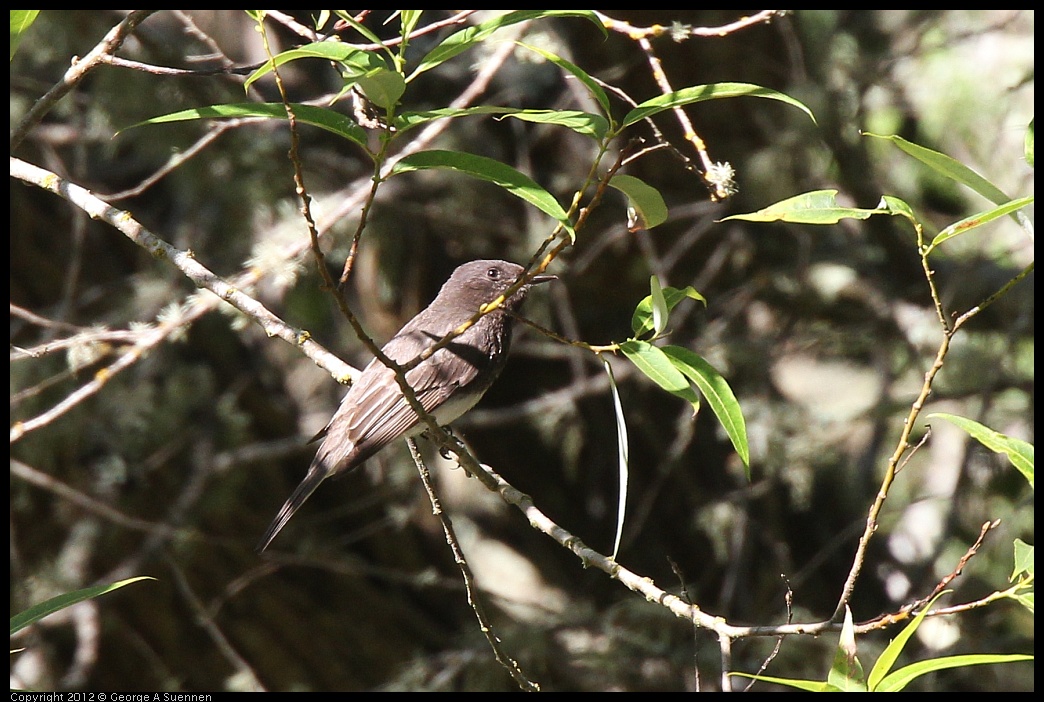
(374, 412)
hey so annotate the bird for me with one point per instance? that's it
(374, 412)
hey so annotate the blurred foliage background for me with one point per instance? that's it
(823, 333)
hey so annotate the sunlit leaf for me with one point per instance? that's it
(888, 657)
(320, 117)
(659, 306)
(21, 20)
(642, 320)
(699, 93)
(947, 166)
(60, 602)
(652, 361)
(515, 182)
(643, 200)
(1029, 144)
(719, 396)
(1023, 559)
(897, 681)
(1019, 452)
(623, 450)
(356, 61)
(463, 40)
(592, 86)
(816, 207)
(846, 674)
(977, 220)
(383, 87)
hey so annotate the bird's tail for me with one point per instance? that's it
(316, 474)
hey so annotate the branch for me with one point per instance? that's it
(77, 72)
(185, 261)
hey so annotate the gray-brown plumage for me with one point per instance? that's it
(374, 413)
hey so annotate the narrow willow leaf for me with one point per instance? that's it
(515, 182)
(699, 93)
(466, 38)
(1029, 144)
(659, 306)
(652, 361)
(316, 116)
(947, 166)
(409, 120)
(361, 28)
(584, 123)
(643, 200)
(718, 394)
(623, 450)
(588, 82)
(642, 319)
(410, 18)
(1019, 452)
(888, 657)
(977, 220)
(60, 602)
(806, 685)
(581, 122)
(357, 60)
(816, 207)
(897, 681)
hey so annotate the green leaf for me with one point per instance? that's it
(1029, 144)
(642, 320)
(891, 653)
(1023, 560)
(816, 207)
(466, 38)
(21, 20)
(515, 182)
(362, 29)
(699, 93)
(584, 123)
(1019, 452)
(356, 61)
(1025, 599)
(316, 116)
(659, 306)
(846, 673)
(977, 220)
(592, 86)
(55, 604)
(947, 166)
(719, 396)
(410, 18)
(383, 87)
(581, 122)
(645, 204)
(806, 685)
(409, 120)
(622, 445)
(898, 680)
(652, 361)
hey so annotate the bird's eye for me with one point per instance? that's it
(493, 273)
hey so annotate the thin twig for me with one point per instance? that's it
(470, 586)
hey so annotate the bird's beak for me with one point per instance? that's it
(542, 279)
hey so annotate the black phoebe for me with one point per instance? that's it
(375, 413)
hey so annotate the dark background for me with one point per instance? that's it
(823, 333)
